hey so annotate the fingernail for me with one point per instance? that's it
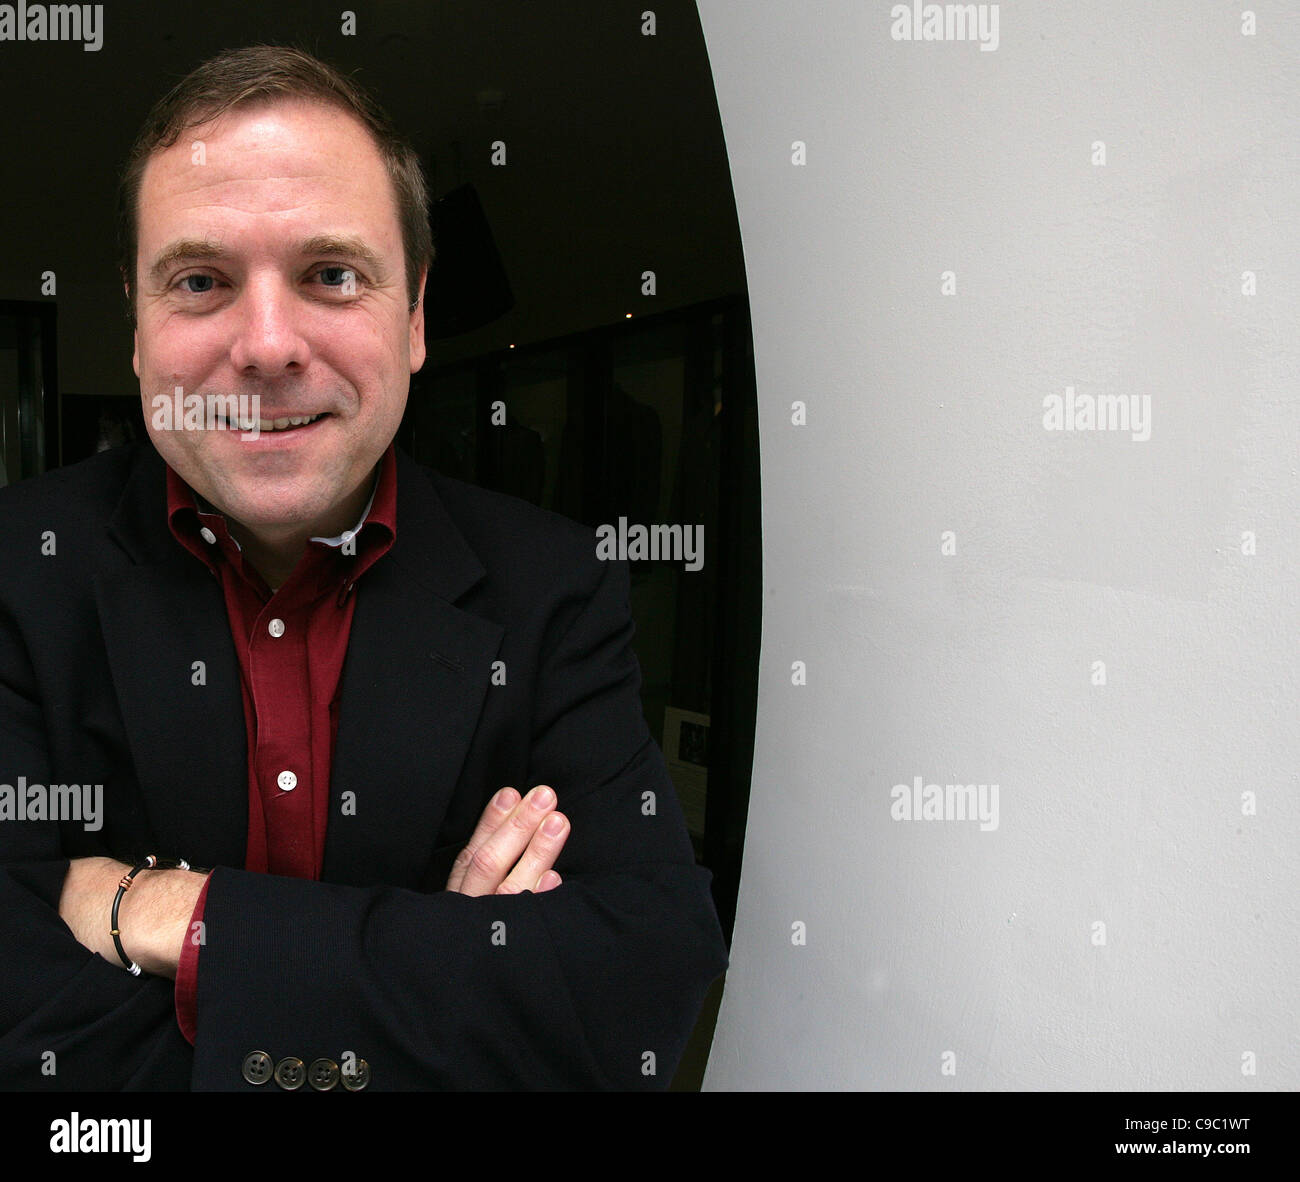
(553, 826)
(505, 799)
(544, 798)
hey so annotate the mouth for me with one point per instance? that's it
(274, 426)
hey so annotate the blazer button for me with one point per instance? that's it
(290, 1073)
(323, 1074)
(257, 1067)
(357, 1079)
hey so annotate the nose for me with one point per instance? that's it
(269, 336)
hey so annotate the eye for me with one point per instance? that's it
(336, 276)
(205, 282)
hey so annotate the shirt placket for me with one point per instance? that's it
(279, 681)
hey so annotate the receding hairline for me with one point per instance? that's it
(263, 104)
(265, 101)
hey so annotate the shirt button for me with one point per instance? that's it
(208, 536)
(287, 781)
(290, 1073)
(257, 1067)
(276, 627)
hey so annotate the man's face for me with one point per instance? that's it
(295, 199)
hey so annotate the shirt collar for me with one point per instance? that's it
(188, 513)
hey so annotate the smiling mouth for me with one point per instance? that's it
(274, 426)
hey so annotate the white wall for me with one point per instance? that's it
(1119, 804)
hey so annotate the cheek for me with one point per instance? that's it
(165, 362)
(375, 367)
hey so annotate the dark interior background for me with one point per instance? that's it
(618, 403)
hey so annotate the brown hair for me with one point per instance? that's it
(269, 72)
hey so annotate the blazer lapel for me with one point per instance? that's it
(414, 682)
(160, 618)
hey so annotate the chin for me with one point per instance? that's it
(252, 510)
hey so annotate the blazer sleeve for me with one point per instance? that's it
(69, 1020)
(593, 985)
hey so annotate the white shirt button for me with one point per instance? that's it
(208, 536)
(276, 628)
(287, 781)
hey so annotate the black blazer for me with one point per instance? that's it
(595, 984)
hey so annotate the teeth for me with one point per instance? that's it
(280, 424)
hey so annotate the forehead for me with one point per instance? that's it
(289, 160)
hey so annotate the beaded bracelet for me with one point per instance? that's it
(150, 863)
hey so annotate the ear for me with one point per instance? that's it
(417, 327)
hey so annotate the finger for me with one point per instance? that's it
(539, 857)
(548, 882)
(498, 809)
(489, 865)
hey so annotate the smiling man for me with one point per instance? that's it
(273, 271)
(316, 672)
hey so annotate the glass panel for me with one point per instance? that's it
(22, 397)
(31, 400)
(535, 389)
(10, 453)
(659, 461)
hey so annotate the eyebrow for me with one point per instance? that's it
(195, 250)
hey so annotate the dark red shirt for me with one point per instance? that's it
(291, 644)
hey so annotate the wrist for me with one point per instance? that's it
(154, 918)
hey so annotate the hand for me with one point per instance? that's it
(511, 850)
(154, 916)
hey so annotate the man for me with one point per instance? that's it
(370, 902)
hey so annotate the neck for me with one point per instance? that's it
(275, 551)
(273, 559)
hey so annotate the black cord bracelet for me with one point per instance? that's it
(150, 863)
